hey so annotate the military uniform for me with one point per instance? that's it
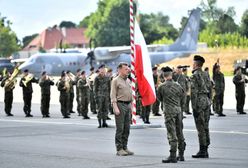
(63, 87)
(171, 94)
(186, 107)
(181, 79)
(200, 89)
(83, 97)
(239, 81)
(155, 106)
(219, 89)
(8, 96)
(45, 85)
(146, 114)
(27, 94)
(102, 90)
(92, 93)
(121, 94)
(71, 96)
(77, 95)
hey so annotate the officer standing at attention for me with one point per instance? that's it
(121, 97)
(64, 88)
(239, 81)
(84, 94)
(200, 89)
(9, 86)
(102, 90)
(219, 88)
(77, 92)
(171, 94)
(27, 89)
(45, 85)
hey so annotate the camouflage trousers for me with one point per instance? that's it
(70, 102)
(201, 114)
(103, 105)
(122, 122)
(155, 107)
(218, 103)
(84, 102)
(92, 101)
(63, 99)
(174, 126)
(8, 100)
(45, 103)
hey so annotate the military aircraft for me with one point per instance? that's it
(55, 63)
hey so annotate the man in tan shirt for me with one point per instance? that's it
(121, 97)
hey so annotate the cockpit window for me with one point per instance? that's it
(39, 60)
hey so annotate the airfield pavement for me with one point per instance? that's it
(72, 143)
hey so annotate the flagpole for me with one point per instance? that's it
(133, 83)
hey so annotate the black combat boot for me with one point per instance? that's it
(202, 153)
(147, 120)
(104, 124)
(100, 123)
(171, 159)
(180, 156)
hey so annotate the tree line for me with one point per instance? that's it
(109, 26)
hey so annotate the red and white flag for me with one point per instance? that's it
(143, 68)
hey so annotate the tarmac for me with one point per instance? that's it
(71, 143)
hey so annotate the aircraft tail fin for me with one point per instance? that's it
(187, 41)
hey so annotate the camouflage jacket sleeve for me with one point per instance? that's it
(96, 85)
(159, 94)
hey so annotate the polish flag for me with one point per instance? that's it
(143, 68)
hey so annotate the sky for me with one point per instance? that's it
(34, 16)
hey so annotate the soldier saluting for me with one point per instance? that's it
(171, 95)
(26, 84)
(45, 85)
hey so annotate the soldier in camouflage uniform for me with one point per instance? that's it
(77, 92)
(45, 84)
(71, 95)
(92, 93)
(239, 80)
(8, 94)
(84, 94)
(155, 106)
(27, 91)
(200, 89)
(171, 94)
(186, 107)
(219, 89)
(102, 90)
(180, 78)
(110, 75)
(64, 88)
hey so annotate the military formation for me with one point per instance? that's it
(107, 93)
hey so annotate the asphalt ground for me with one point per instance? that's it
(67, 143)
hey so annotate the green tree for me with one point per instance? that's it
(156, 27)
(244, 24)
(8, 39)
(27, 39)
(85, 22)
(109, 25)
(226, 24)
(67, 24)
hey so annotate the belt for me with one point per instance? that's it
(125, 102)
